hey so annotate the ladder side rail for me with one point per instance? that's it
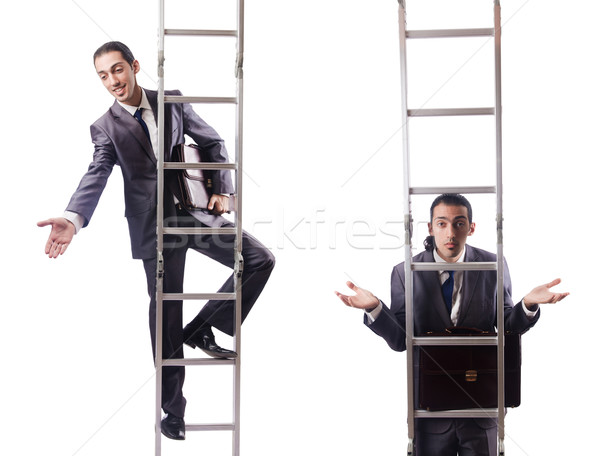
(159, 228)
(239, 74)
(499, 222)
(408, 278)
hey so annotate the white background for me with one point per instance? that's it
(323, 190)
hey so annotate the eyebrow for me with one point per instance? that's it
(458, 217)
(112, 67)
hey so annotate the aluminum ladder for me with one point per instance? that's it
(163, 298)
(496, 111)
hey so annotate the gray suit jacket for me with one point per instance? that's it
(477, 310)
(120, 140)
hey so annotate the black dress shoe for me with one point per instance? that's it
(173, 427)
(204, 339)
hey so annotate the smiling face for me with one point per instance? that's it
(119, 77)
(450, 226)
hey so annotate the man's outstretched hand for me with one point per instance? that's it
(60, 237)
(543, 295)
(363, 299)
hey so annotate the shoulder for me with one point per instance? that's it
(477, 254)
(423, 257)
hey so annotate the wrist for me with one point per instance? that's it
(532, 306)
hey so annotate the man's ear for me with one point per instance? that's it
(471, 229)
(430, 228)
(136, 66)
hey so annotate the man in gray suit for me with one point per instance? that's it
(471, 303)
(127, 136)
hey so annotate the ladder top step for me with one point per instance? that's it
(437, 112)
(450, 33)
(464, 266)
(440, 190)
(194, 32)
(207, 100)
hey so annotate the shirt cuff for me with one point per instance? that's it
(530, 313)
(373, 314)
(76, 219)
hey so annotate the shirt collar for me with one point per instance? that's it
(439, 259)
(145, 104)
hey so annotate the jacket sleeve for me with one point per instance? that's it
(391, 322)
(515, 319)
(86, 197)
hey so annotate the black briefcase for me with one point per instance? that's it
(465, 377)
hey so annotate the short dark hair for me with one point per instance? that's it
(452, 199)
(449, 199)
(115, 46)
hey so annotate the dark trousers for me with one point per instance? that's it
(258, 264)
(461, 436)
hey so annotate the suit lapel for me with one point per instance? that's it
(127, 121)
(431, 281)
(152, 96)
(470, 281)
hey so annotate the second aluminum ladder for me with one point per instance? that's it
(162, 298)
(410, 267)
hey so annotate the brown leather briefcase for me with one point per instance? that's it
(464, 377)
(195, 185)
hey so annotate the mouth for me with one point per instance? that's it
(119, 91)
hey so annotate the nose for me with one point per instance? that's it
(112, 80)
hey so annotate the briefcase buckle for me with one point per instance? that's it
(471, 375)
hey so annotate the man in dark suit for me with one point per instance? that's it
(127, 135)
(471, 303)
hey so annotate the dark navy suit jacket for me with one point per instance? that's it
(119, 140)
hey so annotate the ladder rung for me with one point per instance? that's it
(197, 361)
(464, 266)
(192, 32)
(203, 165)
(186, 99)
(440, 190)
(210, 427)
(202, 230)
(198, 296)
(451, 112)
(450, 33)
(455, 340)
(468, 413)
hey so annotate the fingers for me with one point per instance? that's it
(553, 283)
(45, 222)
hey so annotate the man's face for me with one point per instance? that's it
(450, 227)
(119, 77)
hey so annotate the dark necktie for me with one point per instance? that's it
(138, 116)
(447, 289)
